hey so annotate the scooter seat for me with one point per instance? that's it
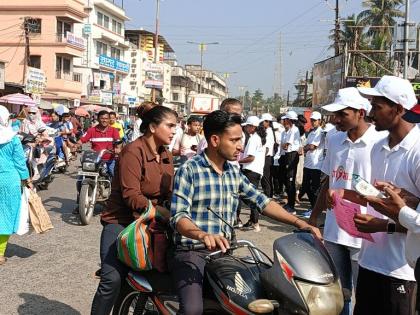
(158, 281)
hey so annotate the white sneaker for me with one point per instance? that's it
(257, 227)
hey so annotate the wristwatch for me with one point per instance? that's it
(390, 229)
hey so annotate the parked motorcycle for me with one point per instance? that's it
(301, 279)
(95, 182)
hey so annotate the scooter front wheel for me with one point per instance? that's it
(86, 204)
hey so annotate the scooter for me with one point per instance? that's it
(301, 279)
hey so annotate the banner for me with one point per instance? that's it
(35, 81)
(327, 77)
(154, 75)
(75, 40)
(361, 81)
(113, 63)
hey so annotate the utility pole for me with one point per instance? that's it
(278, 78)
(337, 30)
(406, 38)
(305, 94)
(202, 46)
(288, 98)
(27, 30)
(156, 43)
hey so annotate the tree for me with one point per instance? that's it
(257, 101)
(379, 17)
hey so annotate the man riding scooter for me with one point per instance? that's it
(101, 137)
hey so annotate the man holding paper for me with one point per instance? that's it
(347, 154)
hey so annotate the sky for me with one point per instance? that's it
(248, 33)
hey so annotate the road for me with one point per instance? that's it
(53, 273)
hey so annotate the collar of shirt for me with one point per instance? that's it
(98, 128)
(407, 143)
(365, 138)
(207, 163)
(150, 155)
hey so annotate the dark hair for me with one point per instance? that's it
(66, 115)
(218, 121)
(155, 116)
(102, 113)
(193, 119)
(113, 113)
(262, 132)
(229, 101)
(144, 108)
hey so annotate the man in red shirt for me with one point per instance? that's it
(101, 137)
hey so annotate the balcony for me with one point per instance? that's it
(69, 76)
(72, 40)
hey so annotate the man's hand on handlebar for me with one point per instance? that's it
(213, 241)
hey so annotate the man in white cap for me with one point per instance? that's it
(347, 154)
(266, 183)
(313, 161)
(253, 164)
(386, 283)
(290, 145)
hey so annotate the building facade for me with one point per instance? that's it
(43, 35)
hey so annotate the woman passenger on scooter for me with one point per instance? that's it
(144, 172)
(59, 142)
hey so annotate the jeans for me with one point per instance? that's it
(113, 272)
(110, 166)
(345, 260)
(254, 178)
(187, 270)
(266, 183)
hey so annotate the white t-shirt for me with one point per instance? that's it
(269, 141)
(345, 158)
(176, 140)
(186, 142)
(292, 137)
(313, 159)
(401, 166)
(136, 130)
(410, 219)
(255, 148)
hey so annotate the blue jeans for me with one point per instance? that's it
(110, 166)
(345, 260)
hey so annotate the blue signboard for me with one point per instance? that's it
(113, 63)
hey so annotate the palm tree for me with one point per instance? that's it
(379, 17)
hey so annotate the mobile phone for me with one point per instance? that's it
(365, 188)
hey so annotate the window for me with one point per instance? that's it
(100, 18)
(175, 96)
(116, 27)
(63, 28)
(101, 48)
(33, 25)
(119, 28)
(62, 66)
(35, 61)
(66, 65)
(106, 22)
(115, 53)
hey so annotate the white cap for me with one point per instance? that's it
(276, 125)
(396, 89)
(266, 116)
(252, 120)
(316, 116)
(291, 115)
(283, 117)
(33, 109)
(348, 97)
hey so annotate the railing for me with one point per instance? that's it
(69, 76)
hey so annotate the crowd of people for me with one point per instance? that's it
(181, 168)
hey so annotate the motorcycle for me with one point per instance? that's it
(301, 279)
(95, 182)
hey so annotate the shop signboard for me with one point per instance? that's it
(35, 82)
(327, 78)
(154, 75)
(106, 98)
(114, 64)
(75, 40)
(87, 29)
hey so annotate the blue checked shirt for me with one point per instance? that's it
(198, 186)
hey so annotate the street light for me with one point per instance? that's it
(202, 47)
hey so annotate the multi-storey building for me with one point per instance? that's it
(104, 65)
(43, 35)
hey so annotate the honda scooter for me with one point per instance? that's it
(301, 279)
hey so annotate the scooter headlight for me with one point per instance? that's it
(88, 166)
(322, 299)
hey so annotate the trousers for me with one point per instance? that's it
(254, 178)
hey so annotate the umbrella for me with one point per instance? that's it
(91, 108)
(60, 109)
(81, 112)
(18, 99)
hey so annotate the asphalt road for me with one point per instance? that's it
(53, 273)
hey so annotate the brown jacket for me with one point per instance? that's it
(138, 178)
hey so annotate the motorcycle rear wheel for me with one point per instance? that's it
(85, 204)
(132, 303)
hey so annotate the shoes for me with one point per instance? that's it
(247, 225)
(306, 214)
(2, 260)
(98, 274)
(239, 223)
(252, 226)
(290, 209)
(257, 228)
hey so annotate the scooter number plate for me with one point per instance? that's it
(81, 173)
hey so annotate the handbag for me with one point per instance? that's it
(40, 220)
(23, 226)
(142, 245)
